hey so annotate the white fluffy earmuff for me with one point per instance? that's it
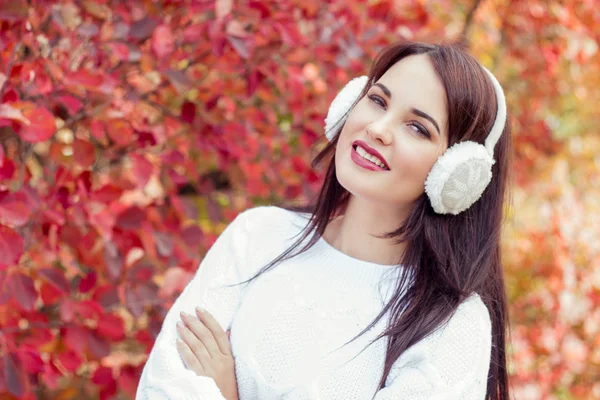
(460, 175)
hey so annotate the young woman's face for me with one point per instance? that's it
(403, 117)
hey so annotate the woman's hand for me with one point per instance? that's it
(205, 349)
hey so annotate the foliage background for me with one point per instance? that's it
(132, 133)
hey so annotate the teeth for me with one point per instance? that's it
(370, 157)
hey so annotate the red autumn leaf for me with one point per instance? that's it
(51, 375)
(84, 153)
(88, 282)
(7, 170)
(70, 360)
(111, 327)
(11, 246)
(75, 338)
(16, 380)
(71, 103)
(188, 112)
(23, 290)
(50, 294)
(106, 297)
(119, 131)
(14, 10)
(120, 50)
(192, 236)
(41, 125)
(131, 218)
(98, 130)
(193, 33)
(32, 361)
(88, 309)
(103, 376)
(85, 79)
(163, 42)
(14, 208)
(57, 278)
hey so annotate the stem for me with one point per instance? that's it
(13, 56)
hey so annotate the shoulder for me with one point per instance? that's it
(467, 333)
(269, 218)
(459, 351)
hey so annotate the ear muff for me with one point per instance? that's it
(341, 105)
(460, 175)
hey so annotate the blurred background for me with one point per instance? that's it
(131, 133)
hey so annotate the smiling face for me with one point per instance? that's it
(403, 117)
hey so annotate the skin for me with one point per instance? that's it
(205, 349)
(381, 200)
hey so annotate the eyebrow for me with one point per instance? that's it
(415, 111)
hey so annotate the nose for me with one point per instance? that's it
(378, 131)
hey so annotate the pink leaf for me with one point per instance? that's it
(223, 8)
(9, 112)
(175, 280)
(141, 170)
(163, 42)
(14, 209)
(113, 260)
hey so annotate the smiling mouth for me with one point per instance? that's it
(369, 157)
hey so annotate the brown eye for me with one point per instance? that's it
(421, 129)
(377, 100)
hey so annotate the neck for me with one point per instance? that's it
(353, 233)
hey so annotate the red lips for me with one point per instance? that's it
(371, 151)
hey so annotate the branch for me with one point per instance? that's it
(470, 16)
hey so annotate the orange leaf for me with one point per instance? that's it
(84, 153)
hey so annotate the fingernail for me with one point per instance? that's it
(200, 309)
(180, 324)
(184, 314)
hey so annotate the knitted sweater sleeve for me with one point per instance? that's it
(450, 364)
(165, 376)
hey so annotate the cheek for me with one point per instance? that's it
(415, 161)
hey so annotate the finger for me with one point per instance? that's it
(218, 333)
(202, 332)
(189, 358)
(195, 345)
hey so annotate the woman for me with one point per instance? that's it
(391, 285)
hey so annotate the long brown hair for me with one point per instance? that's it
(447, 257)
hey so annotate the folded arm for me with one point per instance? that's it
(165, 376)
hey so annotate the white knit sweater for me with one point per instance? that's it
(288, 326)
